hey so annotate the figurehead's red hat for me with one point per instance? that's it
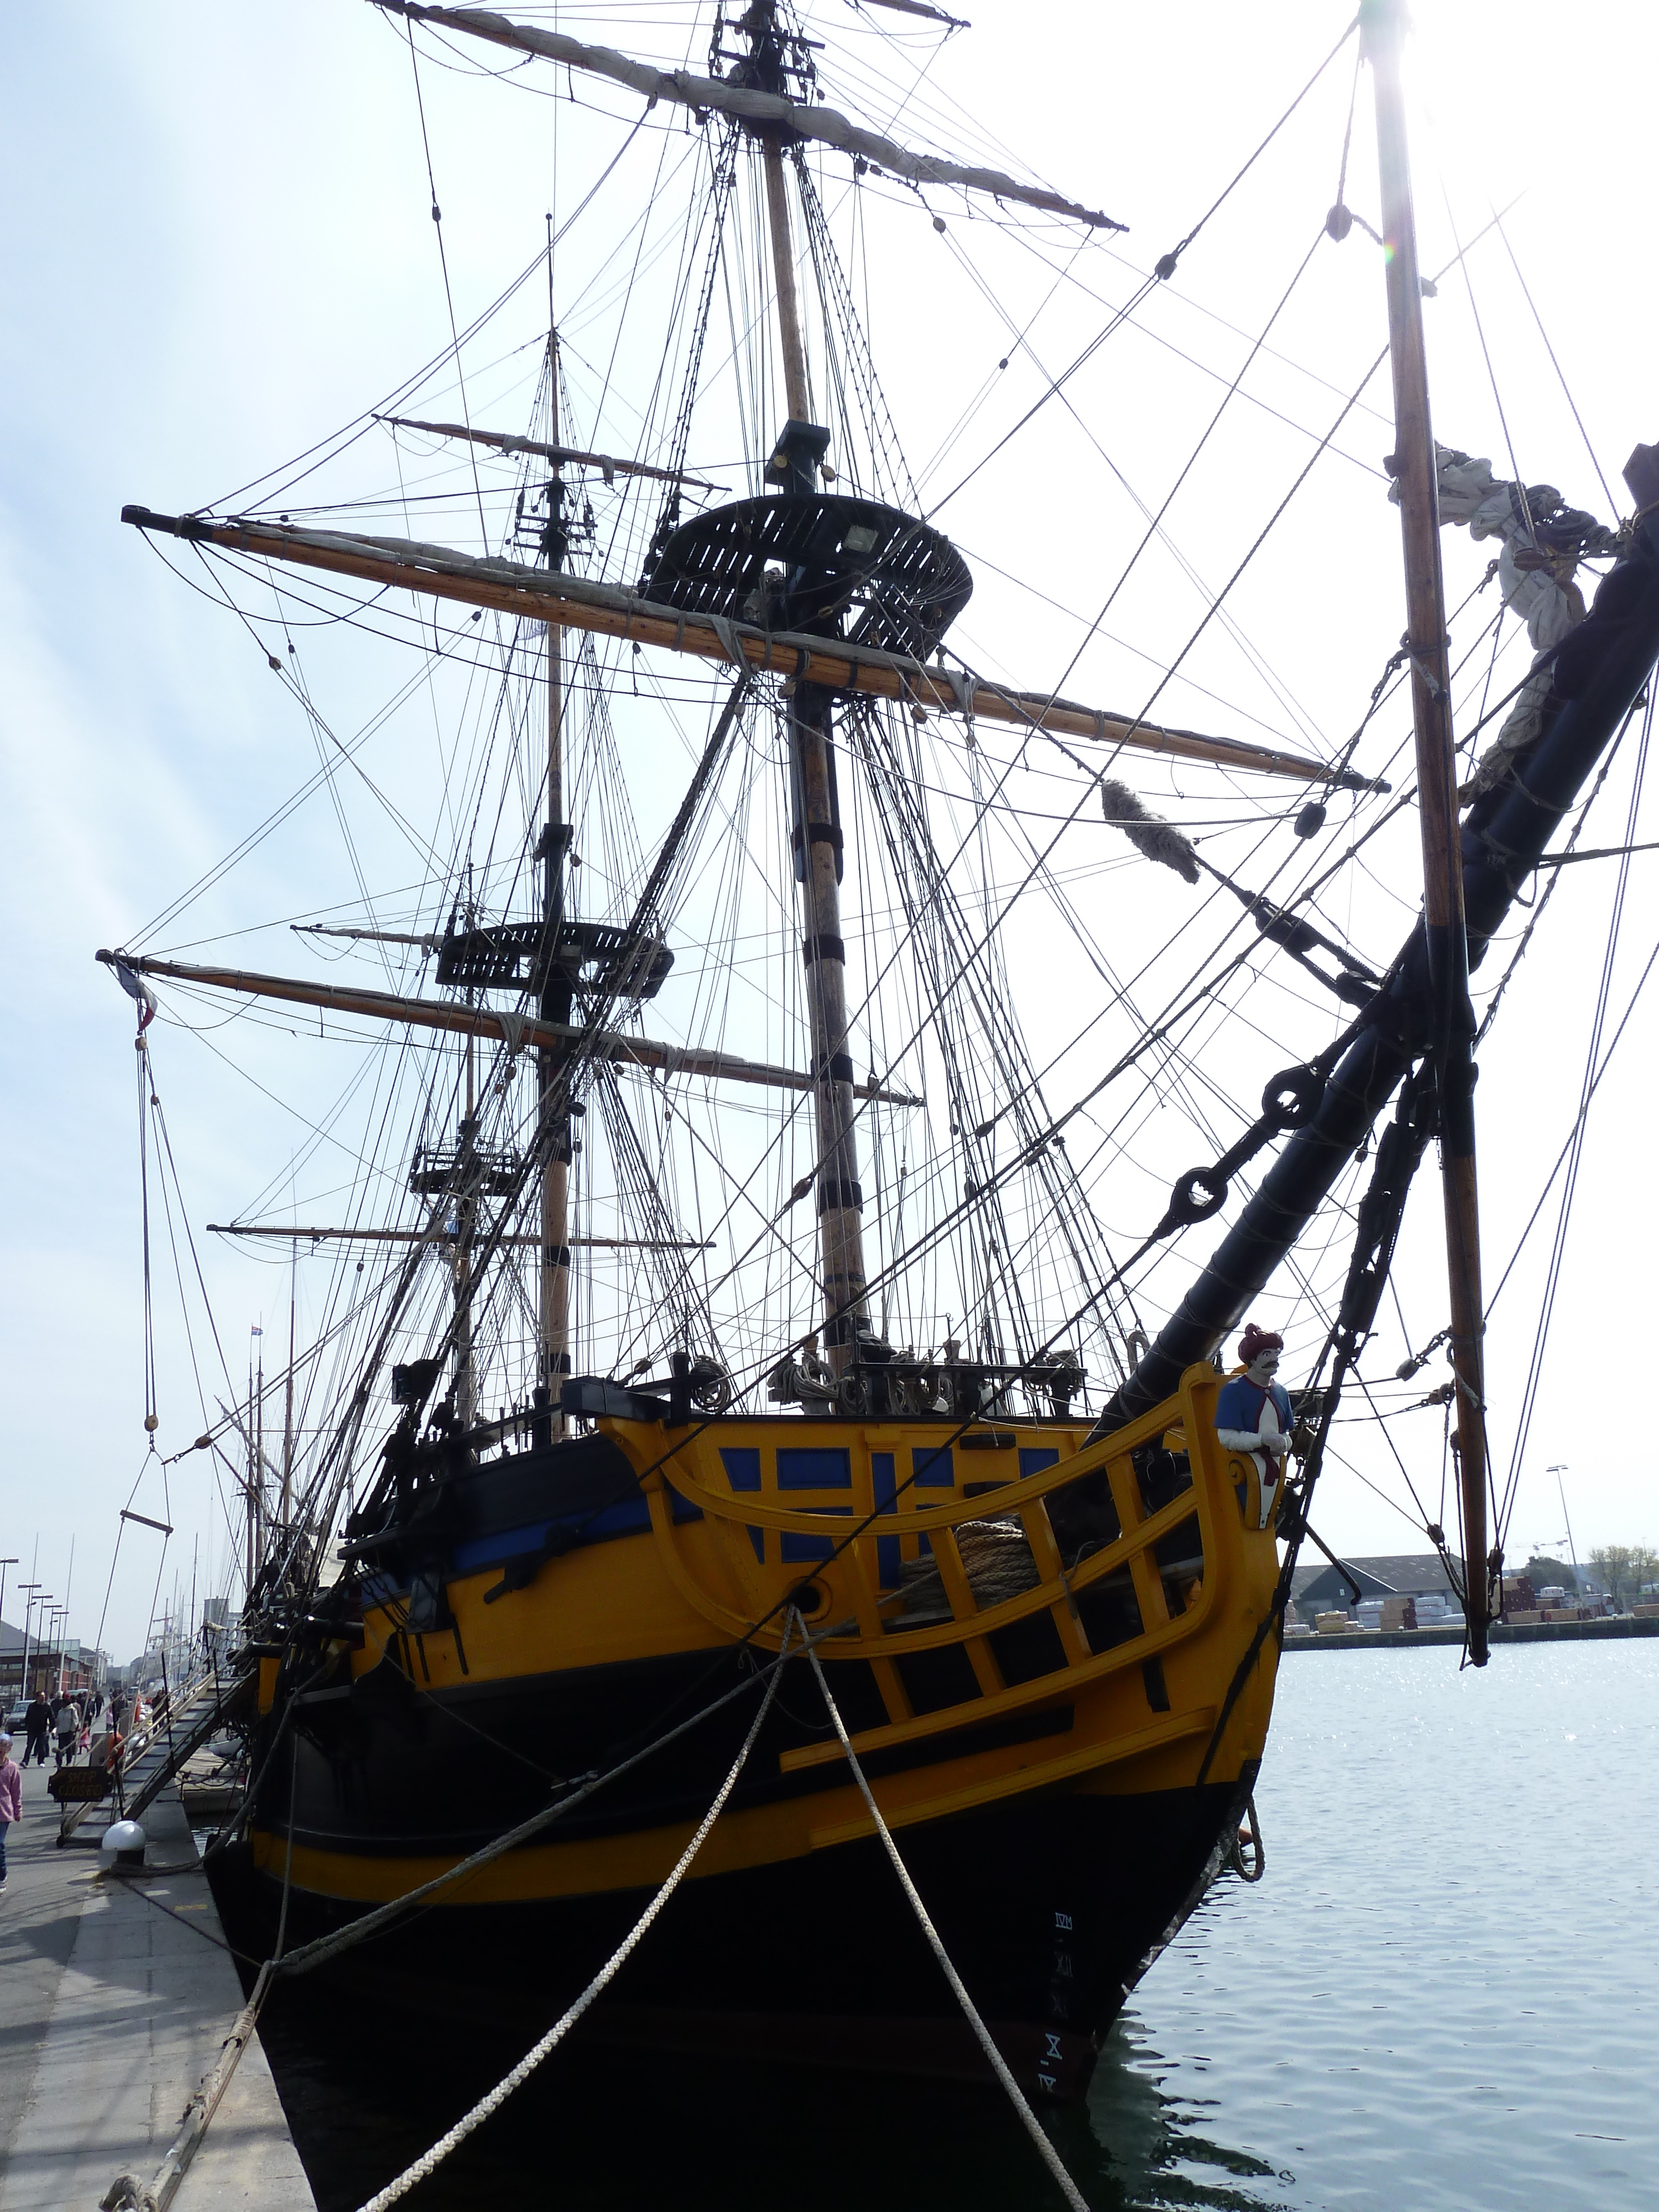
(1256, 1340)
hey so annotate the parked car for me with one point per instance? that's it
(15, 1715)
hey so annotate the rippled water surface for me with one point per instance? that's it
(1445, 1993)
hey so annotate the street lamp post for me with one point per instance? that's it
(5, 1564)
(28, 1607)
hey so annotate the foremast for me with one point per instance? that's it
(1445, 928)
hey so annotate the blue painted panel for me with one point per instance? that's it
(625, 1520)
(757, 1538)
(632, 1518)
(932, 1467)
(890, 1573)
(506, 1545)
(742, 1465)
(803, 1468)
(1034, 1458)
(797, 1551)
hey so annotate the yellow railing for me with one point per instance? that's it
(848, 1586)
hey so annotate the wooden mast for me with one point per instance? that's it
(468, 1175)
(783, 264)
(607, 610)
(1414, 470)
(288, 1403)
(251, 1494)
(554, 1303)
(812, 735)
(625, 1049)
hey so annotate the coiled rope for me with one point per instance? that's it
(430, 2160)
(1034, 2128)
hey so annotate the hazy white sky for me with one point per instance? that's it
(220, 250)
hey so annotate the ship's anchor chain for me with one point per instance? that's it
(1289, 1102)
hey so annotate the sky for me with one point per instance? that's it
(222, 249)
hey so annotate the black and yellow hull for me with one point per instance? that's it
(1039, 1745)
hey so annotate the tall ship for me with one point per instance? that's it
(750, 1346)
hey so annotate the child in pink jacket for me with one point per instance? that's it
(11, 1800)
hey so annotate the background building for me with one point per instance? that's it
(63, 1661)
(1321, 1589)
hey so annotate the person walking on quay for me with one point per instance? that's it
(11, 1800)
(68, 1725)
(37, 1727)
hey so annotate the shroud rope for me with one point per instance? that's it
(1051, 2158)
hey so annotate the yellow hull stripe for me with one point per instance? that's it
(759, 1837)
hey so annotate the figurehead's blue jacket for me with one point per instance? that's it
(1240, 1403)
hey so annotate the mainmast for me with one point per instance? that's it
(1415, 474)
(554, 1303)
(794, 466)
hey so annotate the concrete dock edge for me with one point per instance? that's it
(1502, 1632)
(116, 1994)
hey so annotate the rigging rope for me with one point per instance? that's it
(1016, 2097)
(372, 1922)
(1195, 232)
(1576, 1141)
(1162, 271)
(1381, 1211)
(449, 297)
(1612, 497)
(1537, 913)
(152, 1420)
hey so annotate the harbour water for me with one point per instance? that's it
(1445, 1993)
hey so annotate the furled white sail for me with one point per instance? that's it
(1541, 543)
(712, 94)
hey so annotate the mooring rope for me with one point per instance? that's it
(1034, 2128)
(431, 2160)
(302, 1961)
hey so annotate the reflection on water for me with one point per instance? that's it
(718, 2139)
(1149, 2144)
(1443, 1996)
